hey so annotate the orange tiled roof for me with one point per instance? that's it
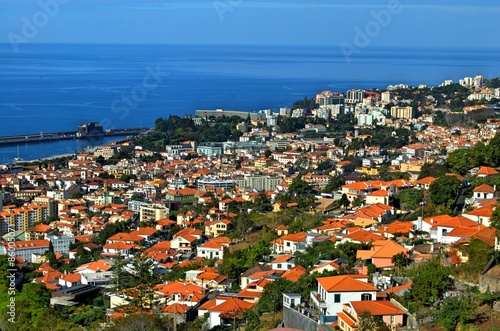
(344, 284)
(294, 273)
(484, 188)
(145, 231)
(389, 249)
(399, 288)
(123, 236)
(363, 236)
(426, 180)
(487, 235)
(283, 258)
(380, 307)
(483, 170)
(344, 317)
(379, 193)
(229, 307)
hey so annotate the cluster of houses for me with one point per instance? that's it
(45, 209)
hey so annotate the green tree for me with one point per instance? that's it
(335, 183)
(368, 322)
(479, 254)
(298, 186)
(455, 310)
(462, 160)
(400, 260)
(409, 199)
(495, 218)
(430, 281)
(142, 322)
(445, 190)
(433, 170)
(344, 201)
(272, 297)
(262, 203)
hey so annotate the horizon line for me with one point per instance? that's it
(255, 44)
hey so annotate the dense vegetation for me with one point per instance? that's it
(175, 130)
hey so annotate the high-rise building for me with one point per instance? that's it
(402, 112)
(328, 98)
(354, 96)
(387, 96)
(22, 218)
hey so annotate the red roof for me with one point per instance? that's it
(344, 284)
(379, 308)
(484, 188)
(483, 170)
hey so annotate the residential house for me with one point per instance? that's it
(335, 291)
(351, 312)
(484, 171)
(379, 196)
(148, 233)
(481, 215)
(214, 248)
(245, 276)
(381, 253)
(217, 228)
(484, 191)
(26, 249)
(283, 262)
(294, 274)
(225, 311)
(425, 183)
(325, 266)
(290, 243)
(70, 280)
(118, 249)
(253, 291)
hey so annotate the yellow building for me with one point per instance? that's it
(402, 112)
(153, 212)
(22, 218)
(416, 167)
(368, 171)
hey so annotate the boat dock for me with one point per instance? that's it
(85, 131)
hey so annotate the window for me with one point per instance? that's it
(287, 244)
(336, 298)
(393, 319)
(366, 297)
(279, 265)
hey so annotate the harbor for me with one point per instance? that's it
(85, 131)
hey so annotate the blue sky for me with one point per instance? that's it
(424, 23)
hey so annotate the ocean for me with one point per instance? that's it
(56, 87)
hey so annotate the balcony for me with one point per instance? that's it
(318, 302)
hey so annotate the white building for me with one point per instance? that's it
(26, 249)
(354, 96)
(365, 119)
(61, 243)
(335, 291)
(387, 97)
